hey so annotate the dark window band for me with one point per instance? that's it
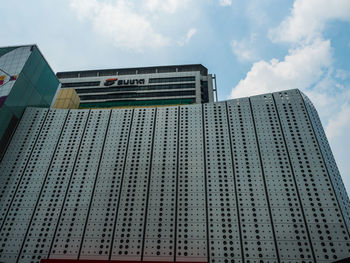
(138, 95)
(81, 84)
(136, 88)
(175, 79)
(128, 103)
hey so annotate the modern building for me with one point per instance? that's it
(147, 86)
(26, 79)
(245, 180)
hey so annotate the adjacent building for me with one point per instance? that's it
(146, 86)
(26, 79)
(245, 180)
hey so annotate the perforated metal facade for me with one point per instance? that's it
(247, 180)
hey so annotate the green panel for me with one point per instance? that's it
(19, 93)
(5, 117)
(135, 103)
(42, 82)
(35, 99)
(5, 50)
(31, 63)
(42, 78)
(36, 86)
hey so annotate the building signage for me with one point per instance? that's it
(124, 82)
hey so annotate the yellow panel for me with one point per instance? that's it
(63, 94)
(65, 104)
(67, 99)
(70, 93)
(77, 99)
(59, 96)
(58, 104)
(70, 105)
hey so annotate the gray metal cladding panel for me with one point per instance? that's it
(33, 177)
(285, 206)
(224, 232)
(44, 222)
(319, 201)
(127, 243)
(102, 217)
(72, 221)
(254, 213)
(236, 181)
(191, 237)
(160, 225)
(329, 160)
(16, 157)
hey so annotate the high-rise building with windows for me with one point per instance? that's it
(245, 180)
(146, 86)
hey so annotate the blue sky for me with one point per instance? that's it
(253, 46)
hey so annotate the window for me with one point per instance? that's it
(175, 79)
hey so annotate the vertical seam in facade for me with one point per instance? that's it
(294, 178)
(234, 181)
(205, 183)
(264, 179)
(93, 189)
(24, 169)
(148, 185)
(177, 177)
(324, 162)
(10, 139)
(68, 185)
(121, 185)
(42, 185)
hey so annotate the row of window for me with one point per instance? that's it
(138, 95)
(81, 84)
(174, 79)
(154, 80)
(137, 88)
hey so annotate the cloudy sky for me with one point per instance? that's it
(254, 46)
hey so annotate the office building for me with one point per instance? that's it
(147, 86)
(26, 79)
(245, 180)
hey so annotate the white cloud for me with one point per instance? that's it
(337, 132)
(190, 33)
(225, 2)
(245, 49)
(336, 125)
(84, 8)
(129, 25)
(309, 66)
(308, 19)
(301, 68)
(168, 6)
(342, 74)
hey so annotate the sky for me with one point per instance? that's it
(253, 46)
